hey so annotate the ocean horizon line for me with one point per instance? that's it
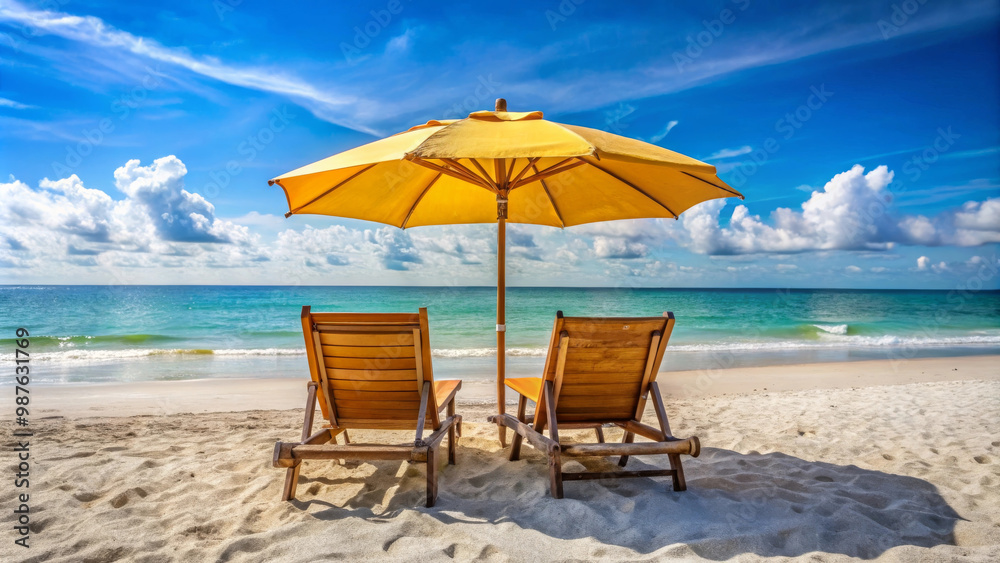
(686, 288)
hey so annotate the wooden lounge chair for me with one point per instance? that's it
(599, 371)
(372, 371)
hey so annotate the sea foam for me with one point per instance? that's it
(835, 340)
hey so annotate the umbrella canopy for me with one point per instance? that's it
(500, 166)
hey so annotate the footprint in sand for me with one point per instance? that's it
(489, 552)
(984, 459)
(887, 457)
(478, 481)
(123, 498)
(120, 500)
(203, 531)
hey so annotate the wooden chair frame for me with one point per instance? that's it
(532, 428)
(323, 445)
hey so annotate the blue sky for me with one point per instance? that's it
(786, 99)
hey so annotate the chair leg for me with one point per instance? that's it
(555, 474)
(600, 435)
(432, 482)
(452, 440)
(675, 464)
(515, 446)
(347, 439)
(629, 437)
(291, 482)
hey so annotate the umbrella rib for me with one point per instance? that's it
(737, 194)
(531, 164)
(510, 170)
(486, 176)
(459, 169)
(560, 163)
(419, 197)
(550, 171)
(327, 192)
(562, 222)
(633, 186)
(465, 170)
(499, 170)
(459, 174)
(482, 181)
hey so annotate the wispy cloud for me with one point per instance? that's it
(5, 103)
(973, 153)
(743, 46)
(326, 103)
(663, 133)
(976, 188)
(400, 44)
(533, 74)
(729, 153)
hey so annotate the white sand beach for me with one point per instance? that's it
(822, 462)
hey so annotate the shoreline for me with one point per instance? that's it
(170, 366)
(158, 398)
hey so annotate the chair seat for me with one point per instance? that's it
(530, 387)
(444, 388)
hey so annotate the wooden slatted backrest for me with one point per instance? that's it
(370, 367)
(608, 367)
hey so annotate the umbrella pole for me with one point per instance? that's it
(501, 314)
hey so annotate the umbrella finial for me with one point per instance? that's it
(501, 104)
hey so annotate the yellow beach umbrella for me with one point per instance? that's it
(503, 167)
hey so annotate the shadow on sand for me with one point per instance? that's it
(769, 504)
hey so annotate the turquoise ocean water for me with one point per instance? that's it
(132, 333)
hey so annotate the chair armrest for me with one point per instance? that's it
(449, 397)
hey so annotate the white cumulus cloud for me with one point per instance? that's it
(851, 212)
(177, 214)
